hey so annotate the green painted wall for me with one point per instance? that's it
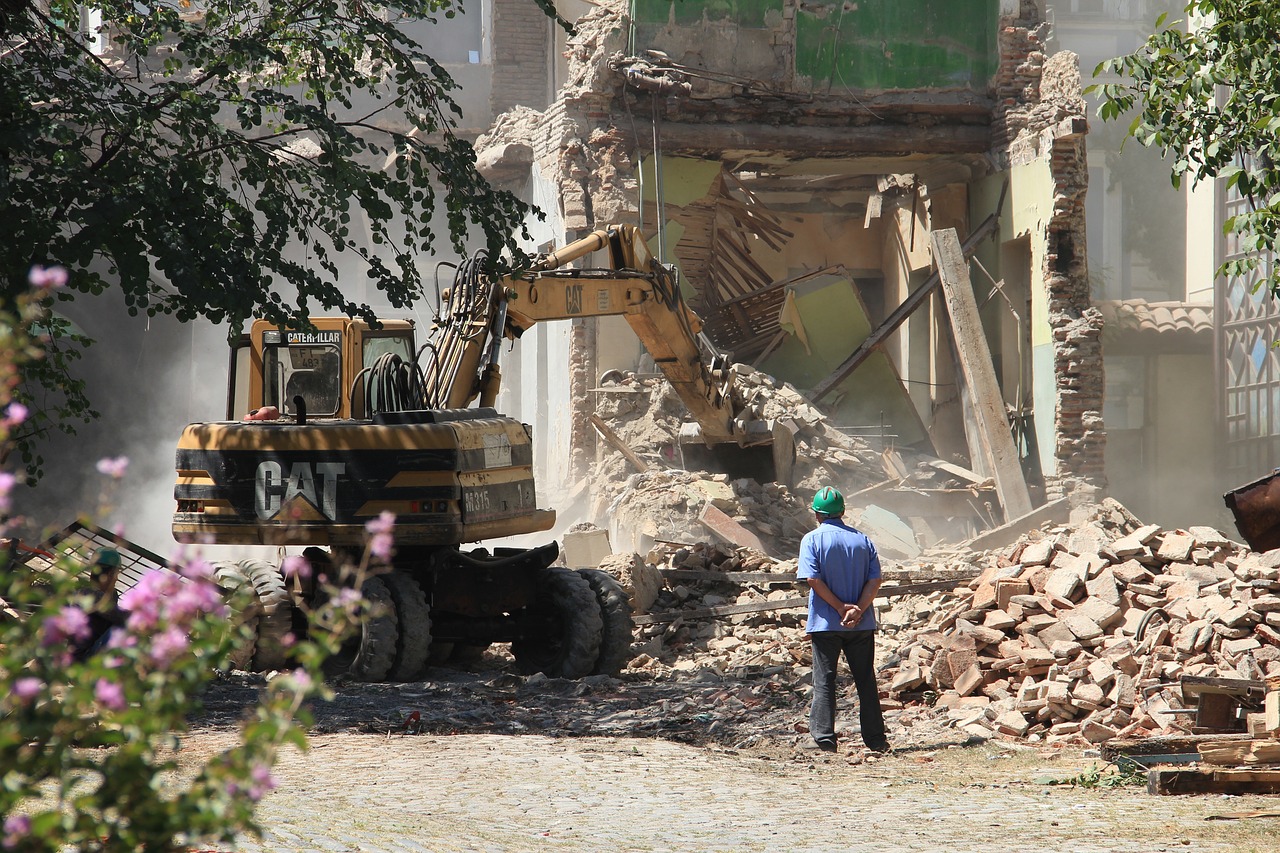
(867, 45)
(835, 322)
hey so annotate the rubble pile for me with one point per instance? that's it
(1082, 634)
(687, 641)
(668, 506)
(646, 414)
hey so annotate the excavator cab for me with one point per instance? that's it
(316, 372)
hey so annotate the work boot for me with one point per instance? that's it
(818, 746)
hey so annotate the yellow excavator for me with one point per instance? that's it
(329, 427)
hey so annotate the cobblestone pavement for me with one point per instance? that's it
(492, 792)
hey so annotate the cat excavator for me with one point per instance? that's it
(348, 421)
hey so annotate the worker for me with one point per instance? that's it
(105, 616)
(843, 571)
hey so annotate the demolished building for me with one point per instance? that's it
(803, 166)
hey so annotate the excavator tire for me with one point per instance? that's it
(233, 582)
(615, 612)
(570, 647)
(275, 620)
(414, 617)
(378, 634)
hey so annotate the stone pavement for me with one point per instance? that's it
(403, 794)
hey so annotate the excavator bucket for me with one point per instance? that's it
(767, 455)
(1256, 507)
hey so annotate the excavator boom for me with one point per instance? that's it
(634, 286)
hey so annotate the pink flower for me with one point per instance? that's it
(384, 523)
(109, 694)
(296, 564)
(382, 543)
(262, 782)
(143, 602)
(167, 645)
(47, 278)
(27, 689)
(16, 827)
(7, 482)
(15, 414)
(301, 679)
(196, 569)
(113, 466)
(191, 600)
(71, 623)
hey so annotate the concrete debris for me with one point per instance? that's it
(1072, 635)
(666, 502)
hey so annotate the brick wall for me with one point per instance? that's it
(521, 56)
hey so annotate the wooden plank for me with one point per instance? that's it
(1168, 745)
(995, 439)
(900, 314)
(1058, 511)
(887, 591)
(723, 610)
(1198, 685)
(956, 471)
(1170, 781)
(729, 530)
(618, 444)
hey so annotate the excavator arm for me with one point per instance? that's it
(635, 286)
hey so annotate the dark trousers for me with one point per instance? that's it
(859, 649)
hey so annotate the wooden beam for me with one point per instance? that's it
(610, 436)
(935, 503)
(727, 142)
(891, 323)
(1164, 780)
(995, 441)
(1058, 511)
(1162, 745)
(725, 610)
(798, 603)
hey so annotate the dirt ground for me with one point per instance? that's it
(504, 762)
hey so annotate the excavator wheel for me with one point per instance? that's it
(413, 615)
(235, 585)
(378, 634)
(275, 621)
(615, 612)
(567, 643)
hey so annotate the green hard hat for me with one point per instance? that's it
(108, 557)
(828, 501)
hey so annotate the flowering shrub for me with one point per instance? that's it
(89, 733)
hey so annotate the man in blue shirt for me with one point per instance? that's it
(843, 571)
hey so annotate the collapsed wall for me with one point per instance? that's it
(585, 144)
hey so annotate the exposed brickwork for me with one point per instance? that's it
(521, 56)
(1041, 113)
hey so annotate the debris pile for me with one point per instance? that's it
(666, 502)
(734, 612)
(1081, 634)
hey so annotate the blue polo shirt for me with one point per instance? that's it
(845, 560)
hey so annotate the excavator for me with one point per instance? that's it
(347, 421)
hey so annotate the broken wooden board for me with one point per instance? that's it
(886, 591)
(1170, 781)
(607, 433)
(797, 603)
(1167, 745)
(723, 610)
(994, 439)
(1235, 752)
(900, 314)
(1057, 512)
